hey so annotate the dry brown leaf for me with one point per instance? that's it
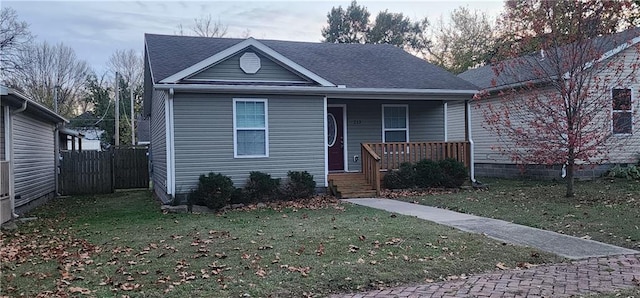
(80, 290)
(320, 250)
(502, 266)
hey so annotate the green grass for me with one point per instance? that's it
(627, 293)
(605, 210)
(107, 245)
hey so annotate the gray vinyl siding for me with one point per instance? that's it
(158, 145)
(2, 156)
(33, 158)
(364, 123)
(455, 121)
(204, 138)
(229, 69)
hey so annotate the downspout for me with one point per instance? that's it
(472, 170)
(171, 145)
(14, 215)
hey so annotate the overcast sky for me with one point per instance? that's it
(95, 29)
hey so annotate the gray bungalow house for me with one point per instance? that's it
(27, 153)
(345, 113)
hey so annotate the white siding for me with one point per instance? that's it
(33, 158)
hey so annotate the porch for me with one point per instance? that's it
(378, 158)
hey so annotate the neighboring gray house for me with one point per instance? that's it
(615, 68)
(239, 105)
(27, 153)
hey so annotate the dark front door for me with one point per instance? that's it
(335, 138)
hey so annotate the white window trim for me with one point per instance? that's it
(266, 127)
(631, 110)
(384, 129)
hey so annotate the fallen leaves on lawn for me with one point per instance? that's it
(404, 193)
(502, 266)
(83, 291)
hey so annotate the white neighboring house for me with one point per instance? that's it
(90, 139)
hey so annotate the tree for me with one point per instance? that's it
(100, 95)
(204, 26)
(14, 38)
(45, 67)
(466, 40)
(353, 26)
(398, 30)
(347, 26)
(129, 64)
(561, 111)
(523, 30)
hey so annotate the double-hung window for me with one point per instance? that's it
(250, 128)
(622, 115)
(395, 123)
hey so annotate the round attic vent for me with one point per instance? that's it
(250, 62)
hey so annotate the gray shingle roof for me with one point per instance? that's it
(527, 68)
(353, 65)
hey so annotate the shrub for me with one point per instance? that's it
(629, 173)
(214, 191)
(392, 180)
(404, 177)
(300, 185)
(261, 186)
(239, 196)
(428, 174)
(454, 173)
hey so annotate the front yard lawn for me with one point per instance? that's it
(121, 244)
(605, 210)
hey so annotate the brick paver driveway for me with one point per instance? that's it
(588, 276)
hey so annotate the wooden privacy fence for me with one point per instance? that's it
(131, 166)
(94, 172)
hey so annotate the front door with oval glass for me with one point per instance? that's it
(335, 138)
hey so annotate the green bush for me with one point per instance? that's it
(261, 187)
(300, 185)
(629, 173)
(404, 177)
(428, 174)
(454, 173)
(214, 191)
(392, 180)
(239, 196)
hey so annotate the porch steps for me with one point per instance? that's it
(351, 185)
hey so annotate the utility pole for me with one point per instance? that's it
(55, 98)
(133, 128)
(117, 111)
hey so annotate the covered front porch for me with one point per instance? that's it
(367, 138)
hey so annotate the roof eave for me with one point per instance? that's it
(15, 97)
(325, 91)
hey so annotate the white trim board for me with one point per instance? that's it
(250, 42)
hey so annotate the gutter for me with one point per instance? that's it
(367, 93)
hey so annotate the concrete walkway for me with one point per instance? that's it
(601, 268)
(563, 245)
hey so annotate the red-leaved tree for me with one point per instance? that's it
(570, 102)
